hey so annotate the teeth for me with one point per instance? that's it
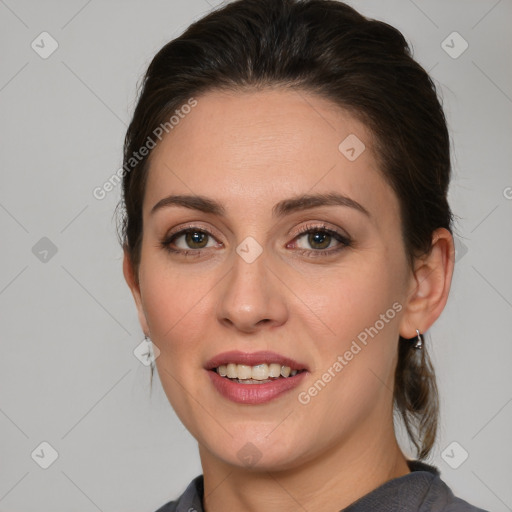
(244, 371)
(258, 372)
(231, 371)
(274, 370)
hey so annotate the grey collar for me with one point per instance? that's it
(401, 494)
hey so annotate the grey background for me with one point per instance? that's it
(68, 375)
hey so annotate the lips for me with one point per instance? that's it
(255, 393)
(253, 359)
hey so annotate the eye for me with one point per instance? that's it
(322, 241)
(188, 241)
(319, 241)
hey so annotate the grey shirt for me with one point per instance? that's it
(421, 490)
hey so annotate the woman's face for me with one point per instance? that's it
(321, 282)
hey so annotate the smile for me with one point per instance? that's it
(271, 375)
(244, 374)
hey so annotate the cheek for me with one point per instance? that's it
(351, 299)
(357, 356)
(360, 305)
(176, 305)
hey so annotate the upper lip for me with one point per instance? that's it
(252, 359)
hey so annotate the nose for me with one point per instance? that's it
(252, 297)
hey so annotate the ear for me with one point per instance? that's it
(134, 285)
(429, 285)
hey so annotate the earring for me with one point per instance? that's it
(151, 356)
(419, 341)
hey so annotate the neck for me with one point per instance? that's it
(331, 481)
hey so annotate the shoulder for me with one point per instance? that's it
(168, 507)
(189, 501)
(421, 490)
(440, 498)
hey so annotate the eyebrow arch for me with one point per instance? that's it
(194, 202)
(307, 201)
(285, 207)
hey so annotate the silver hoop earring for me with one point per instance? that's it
(419, 341)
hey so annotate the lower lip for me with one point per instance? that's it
(254, 393)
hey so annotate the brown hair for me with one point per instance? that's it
(363, 65)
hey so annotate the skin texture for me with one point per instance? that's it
(248, 151)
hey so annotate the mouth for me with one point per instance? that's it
(257, 374)
(268, 373)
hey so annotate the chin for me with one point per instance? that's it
(260, 453)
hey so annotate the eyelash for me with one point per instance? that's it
(322, 228)
(308, 229)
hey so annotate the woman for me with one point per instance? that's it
(288, 241)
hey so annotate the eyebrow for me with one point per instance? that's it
(285, 207)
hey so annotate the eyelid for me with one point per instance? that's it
(181, 230)
(191, 226)
(341, 237)
(299, 231)
(320, 226)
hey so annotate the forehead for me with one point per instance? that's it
(256, 147)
